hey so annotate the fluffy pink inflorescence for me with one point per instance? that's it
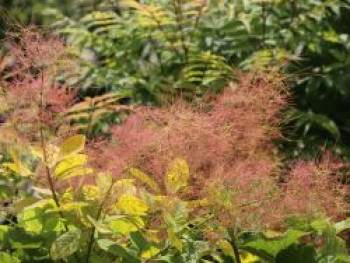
(240, 124)
(32, 49)
(313, 188)
(33, 97)
(229, 147)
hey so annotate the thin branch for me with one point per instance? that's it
(43, 148)
(234, 245)
(99, 213)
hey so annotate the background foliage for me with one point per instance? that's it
(154, 50)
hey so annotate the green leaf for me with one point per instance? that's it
(66, 244)
(268, 248)
(3, 232)
(73, 145)
(95, 258)
(100, 227)
(139, 241)
(297, 253)
(342, 225)
(178, 175)
(6, 192)
(8, 258)
(30, 220)
(36, 219)
(126, 225)
(117, 250)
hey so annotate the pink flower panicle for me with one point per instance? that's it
(33, 96)
(230, 150)
(313, 188)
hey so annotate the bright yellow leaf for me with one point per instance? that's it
(150, 252)
(132, 205)
(226, 248)
(178, 175)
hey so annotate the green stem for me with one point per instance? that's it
(234, 246)
(43, 148)
(45, 159)
(99, 213)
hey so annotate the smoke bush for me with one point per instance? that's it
(229, 145)
(33, 99)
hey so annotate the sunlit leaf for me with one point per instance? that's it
(104, 183)
(226, 248)
(73, 145)
(117, 250)
(70, 163)
(178, 175)
(150, 252)
(125, 226)
(132, 205)
(66, 244)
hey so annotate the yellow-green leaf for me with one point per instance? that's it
(101, 228)
(124, 187)
(226, 248)
(66, 244)
(52, 154)
(74, 161)
(174, 240)
(17, 165)
(132, 205)
(73, 145)
(178, 175)
(249, 258)
(91, 193)
(18, 168)
(150, 252)
(104, 182)
(75, 172)
(144, 178)
(127, 225)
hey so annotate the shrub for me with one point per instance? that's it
(217, 183)
(229, 145)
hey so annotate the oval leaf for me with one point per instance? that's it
(117, 250)
(177, 176)
(66, 244)
(73, 145)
